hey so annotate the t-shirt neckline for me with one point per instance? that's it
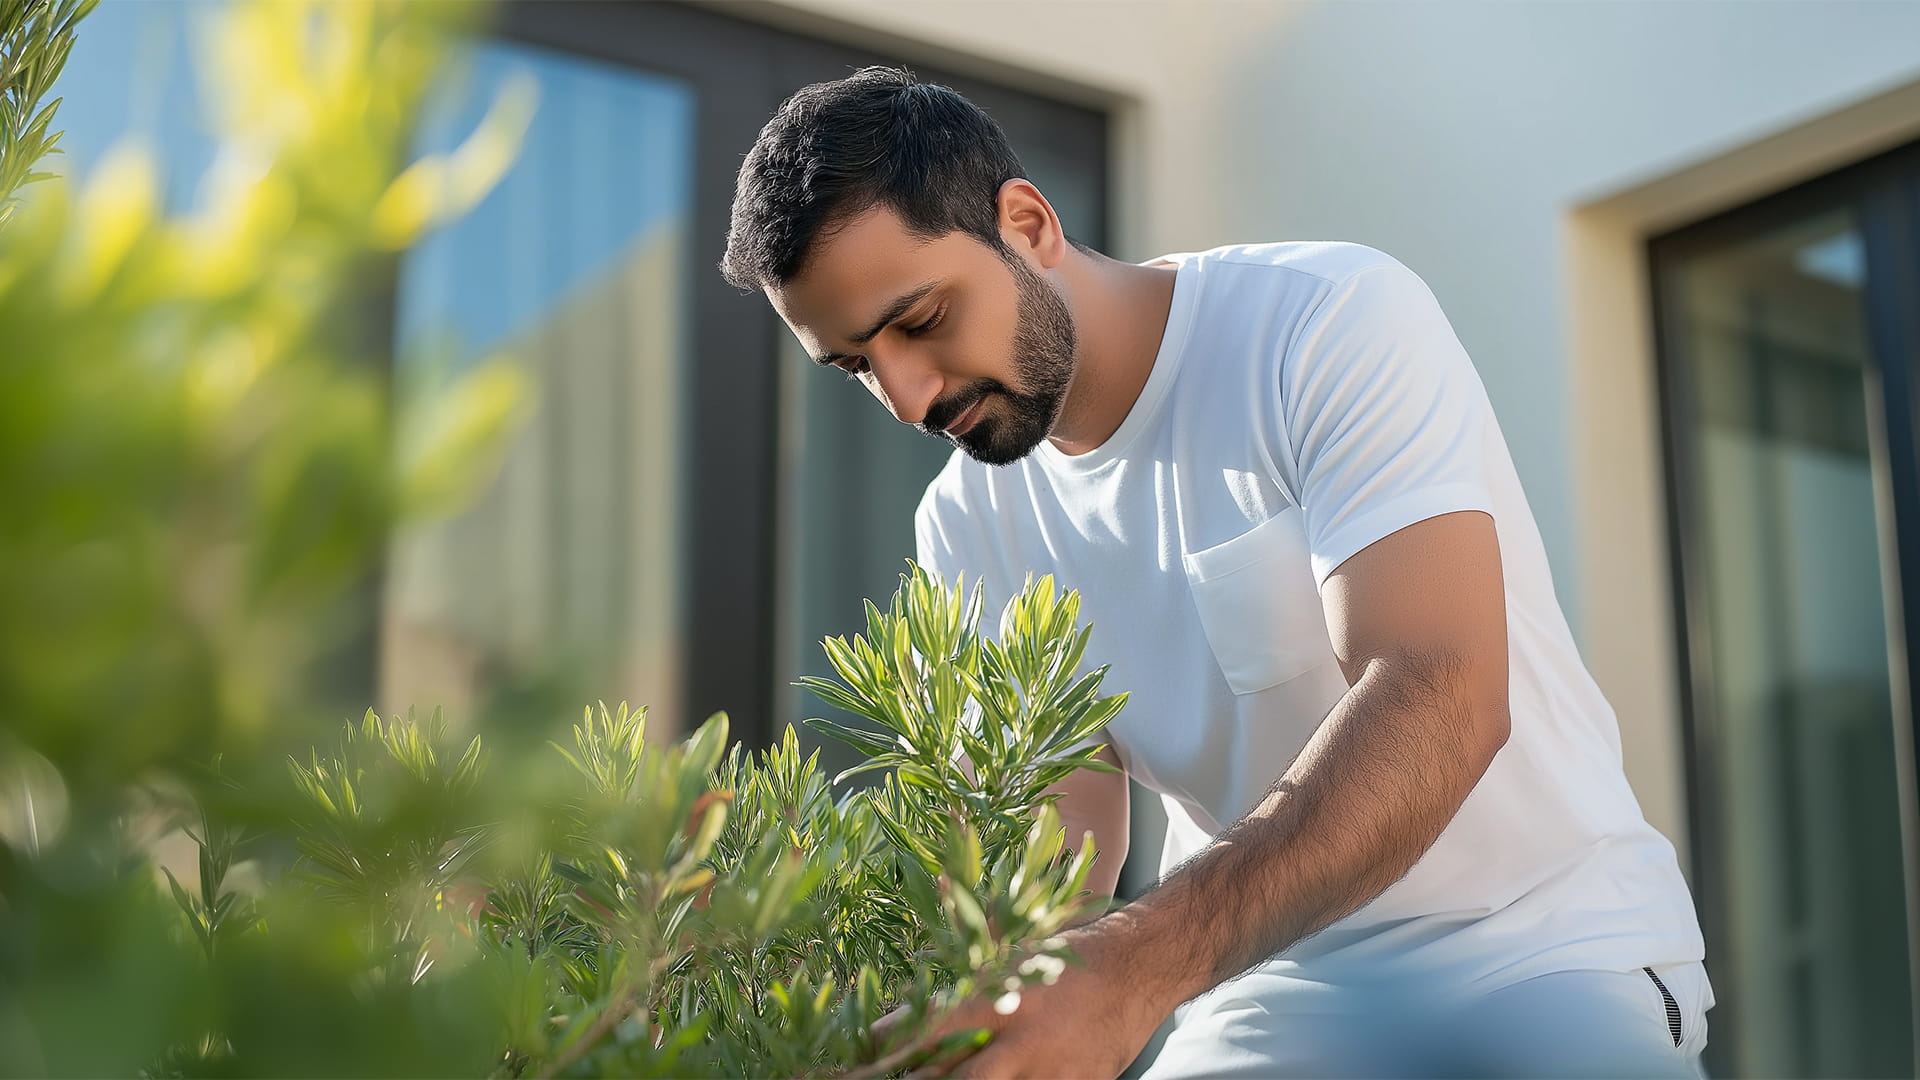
(1166, 363)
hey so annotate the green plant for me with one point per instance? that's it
(694, 910)
(35, 38)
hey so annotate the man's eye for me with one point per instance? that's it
(916, 331)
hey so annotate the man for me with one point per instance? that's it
(1404, 843)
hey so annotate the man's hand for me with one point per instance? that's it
(1089, 1023)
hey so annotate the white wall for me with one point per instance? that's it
(1456, 135)
(1514, 154)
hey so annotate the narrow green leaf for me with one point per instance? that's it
(181, 896)
(870, 742)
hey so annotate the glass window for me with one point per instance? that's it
(1780, 494)
(565, 573)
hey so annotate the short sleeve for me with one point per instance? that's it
(1383, 420)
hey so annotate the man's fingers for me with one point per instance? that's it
(954, 1036)
(985, 1064)
(947, 1065)
(957, 1043)
(884, 1028)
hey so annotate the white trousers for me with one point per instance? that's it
(1276, 1023)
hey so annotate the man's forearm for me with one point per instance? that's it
(1368, 795)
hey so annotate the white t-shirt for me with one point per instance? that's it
(1307, 400)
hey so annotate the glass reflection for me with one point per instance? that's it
(1788, 536)
(565, 573)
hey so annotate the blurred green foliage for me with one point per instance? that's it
(201, 464)
(198, 474)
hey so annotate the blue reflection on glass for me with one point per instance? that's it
(604, 165)
(132, 76)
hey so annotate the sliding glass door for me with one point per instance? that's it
(1786, 357)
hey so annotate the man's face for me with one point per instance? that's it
(952, 337)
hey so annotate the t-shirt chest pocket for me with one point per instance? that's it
(1259, 604)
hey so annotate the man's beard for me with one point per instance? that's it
(1043, 349)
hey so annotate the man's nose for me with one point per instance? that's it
(907, 385)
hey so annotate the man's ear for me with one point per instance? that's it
(1028, 223)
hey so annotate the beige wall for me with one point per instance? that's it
(1514, 154)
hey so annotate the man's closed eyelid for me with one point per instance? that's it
(930, 322)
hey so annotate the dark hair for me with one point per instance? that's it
(875, 138)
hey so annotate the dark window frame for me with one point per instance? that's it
(1883, 192)
(739, 71)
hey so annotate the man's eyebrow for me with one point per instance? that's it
(892, 311)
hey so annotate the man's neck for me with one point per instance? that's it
(1120, 313)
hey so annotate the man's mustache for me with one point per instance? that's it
(940, 415)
